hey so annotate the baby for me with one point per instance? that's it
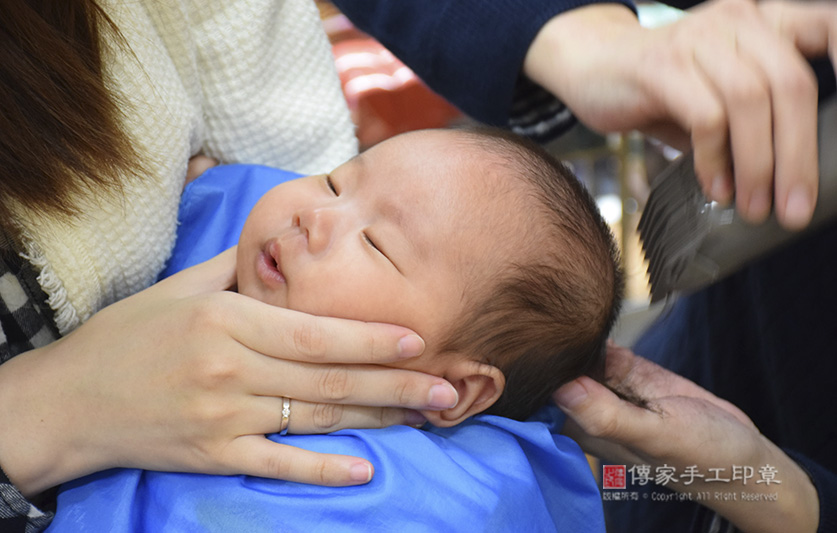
(481, 243)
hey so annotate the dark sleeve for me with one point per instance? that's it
(17, 513)
(471, 52)
(825, 481)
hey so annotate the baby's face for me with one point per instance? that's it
(399, 234)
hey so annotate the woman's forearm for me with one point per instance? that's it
(791, 505)
(38, 423)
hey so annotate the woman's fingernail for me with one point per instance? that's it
(759, 206)
(410, 346)
(720, 191)
(570, 395)
(415, 419)
(442, 397)
(361, 472)
(798, 209)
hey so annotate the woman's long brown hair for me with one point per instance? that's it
(60, 127)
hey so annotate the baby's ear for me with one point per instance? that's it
(478, 384)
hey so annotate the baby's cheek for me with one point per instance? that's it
(308, 294)
(319, 301)
(336, 300)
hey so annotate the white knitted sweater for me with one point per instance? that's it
(242, 80)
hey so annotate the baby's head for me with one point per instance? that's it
(480, 242)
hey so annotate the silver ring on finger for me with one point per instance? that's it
(286, 415)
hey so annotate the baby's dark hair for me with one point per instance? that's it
(544, 323)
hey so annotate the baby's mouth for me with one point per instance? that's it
(270, 264)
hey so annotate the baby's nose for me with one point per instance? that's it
(318, 224)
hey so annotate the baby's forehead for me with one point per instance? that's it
(465, 192)
(501, 229)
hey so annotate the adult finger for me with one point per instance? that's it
(638, 377)
(255, 455)
(599, 447)
(745, 94)
(198, 164)
(793, 88)
(299, 336)
(307, 417)
(659, 432)
(601, 414)
(692, 102)
(263, 415)
(216, 274)
(810, 26)
(363, 385)
(810, 29)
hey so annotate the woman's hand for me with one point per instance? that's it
(186, 376)
(685, 425)
(728, 79)
(198, 164)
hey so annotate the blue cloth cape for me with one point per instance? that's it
(487, 474)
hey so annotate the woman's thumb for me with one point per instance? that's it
(571, 396)
(216, 274)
